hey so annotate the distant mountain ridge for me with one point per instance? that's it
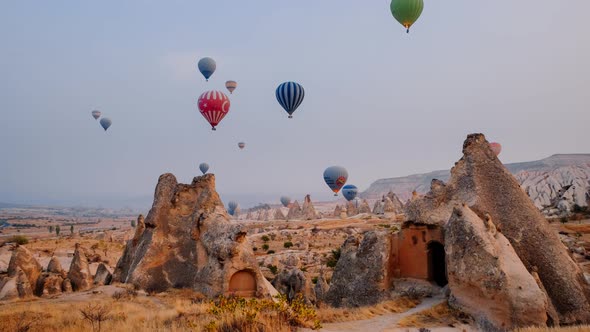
(546, 181)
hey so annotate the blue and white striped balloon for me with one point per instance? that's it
(290, 95)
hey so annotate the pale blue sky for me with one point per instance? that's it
(378, 101)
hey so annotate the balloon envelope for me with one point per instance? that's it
(241, 145)
(105, 123)
(96, 114)
(207, 67)
(406, 12)
(214, 106)
(290, 95)
(232, 206)
(285, 201)
(335, 177)
(349, 192)
(204, 167)
(496, 148)
(231, 86)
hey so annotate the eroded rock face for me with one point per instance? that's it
(189, 242)
(337, 211)
(23, 259)
(321, 288)
(295, 211)
(79, 273)
(279, 215)
(49, 284)
(487, 279)
(308, 210)
(378, 207)
(360, 277)
(364, 207)
(481, 181)
(351, 209)
(292, 282)
(54, 266)
(103, 275)
(398, 206)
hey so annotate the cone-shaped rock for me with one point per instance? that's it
(486, 277)
(481, 181)
(79, 273)
(364, 207)
(294, 211)
(337, 211)
(189, 242)
(23, 259)
(279, 215)
(308, 209)
(351, 209)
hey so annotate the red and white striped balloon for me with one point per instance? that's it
(214, 106)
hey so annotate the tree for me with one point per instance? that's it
(71, 229)
(50, 229)
(57, 230)
(96, 314)
(132, 223)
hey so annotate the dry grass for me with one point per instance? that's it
(584, 328)
(176, 311)
(333, 315)
(582, 228)
(439, 315)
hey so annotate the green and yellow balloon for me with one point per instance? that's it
(406, 12)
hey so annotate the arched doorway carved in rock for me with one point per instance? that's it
(243, 283)
(437, 269)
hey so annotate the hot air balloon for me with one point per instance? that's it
(241, 145)
(290, 95)
(349, 192)
(96, 114)
(232, 206)
(496, 148)
(335, 178)
(285, 201)
(105, 123)
(204, 167)
(231, 86)
(214, 106)
(207, 67)
(406, 12)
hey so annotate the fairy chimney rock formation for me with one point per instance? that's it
(189, 242)
(364, 207)
(337, 211)
(486, 277)
(308, 210)
(351, 209)
(79, 273)
(279, 215)
(480, 181)
(294, 211)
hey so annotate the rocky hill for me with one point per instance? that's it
(561, 177)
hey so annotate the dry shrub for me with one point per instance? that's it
(254, 315)
(581, 328)
(332, 315)
(439, 315)
(96, 314)
(126, 294)
(21, 322)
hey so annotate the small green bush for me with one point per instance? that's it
(273, 268)
(20, 239)
(314, 280)
(288, 244)
(265, 238)
(265, 247)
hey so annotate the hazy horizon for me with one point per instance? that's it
(380, 102)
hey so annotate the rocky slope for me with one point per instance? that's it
(547, 181)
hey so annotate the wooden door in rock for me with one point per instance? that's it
(243, 283)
